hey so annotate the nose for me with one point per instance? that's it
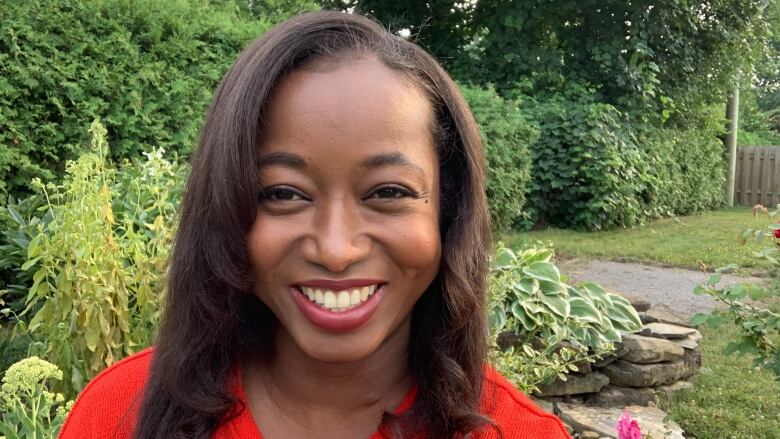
(337, 239)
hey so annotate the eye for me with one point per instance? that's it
(390, 192)
(280, 194)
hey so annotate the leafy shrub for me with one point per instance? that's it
(595, 168)
(28, 406)
(99, 263)
(147, 68)
(557, 325)
(588, 171)
(506, 135)
(18, 225)
(688, 170)
(758, 324)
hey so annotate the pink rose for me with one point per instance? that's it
(628, 428)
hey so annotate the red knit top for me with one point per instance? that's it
(108, 406)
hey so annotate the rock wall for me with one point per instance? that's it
(661, 360)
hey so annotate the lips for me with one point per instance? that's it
(338, 306)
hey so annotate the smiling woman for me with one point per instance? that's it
(328, 279)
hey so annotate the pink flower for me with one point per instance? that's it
(628, 428)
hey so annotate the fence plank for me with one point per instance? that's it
(767, 160)
(744, 177)
(758, 176)
(776, 174)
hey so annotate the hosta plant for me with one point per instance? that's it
(553, 325)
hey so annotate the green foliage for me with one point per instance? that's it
(147, 68)
(29, 409)
(18, 225)
(556, 324)
(588, 171)
(99, 263)
(687, 169)
(506, 135)
(597, 76)
(759, 326)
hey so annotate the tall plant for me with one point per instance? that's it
(99, 263)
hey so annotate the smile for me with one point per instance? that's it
(339, 301)
(338, 306)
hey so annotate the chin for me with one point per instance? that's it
(339, 349)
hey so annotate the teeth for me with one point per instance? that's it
(330, 299)
(354, 297)
(343, 299)
(339, 301)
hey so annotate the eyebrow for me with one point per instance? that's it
(373, 162)
(283, 159)
(392, 159)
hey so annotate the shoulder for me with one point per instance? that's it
(108, 405)
(514, 413)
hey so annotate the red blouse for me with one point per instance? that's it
(108, 407)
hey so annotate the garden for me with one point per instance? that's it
(603, 124)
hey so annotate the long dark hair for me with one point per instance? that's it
(212, 319)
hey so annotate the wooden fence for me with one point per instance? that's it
(758, 176)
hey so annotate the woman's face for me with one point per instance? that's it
(346, 237)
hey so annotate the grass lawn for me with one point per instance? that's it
(731, 399)
(710, 238)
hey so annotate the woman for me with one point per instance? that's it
(328, 278)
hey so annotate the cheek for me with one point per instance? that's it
(416, 246)
(268, 243)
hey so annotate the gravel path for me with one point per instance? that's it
(658, 285)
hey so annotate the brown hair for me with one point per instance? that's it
(212, 320)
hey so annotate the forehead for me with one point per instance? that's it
(358, 104)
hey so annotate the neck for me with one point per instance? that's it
(300, 384)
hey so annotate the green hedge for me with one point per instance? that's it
(595, 168)
(146, 68)
(507, 136)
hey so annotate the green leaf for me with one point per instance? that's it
(582, 310)
(26, 266)
(556, 304)
(714, 279)
(699, 319)
(520, 314)
(497, 319)
(623, 315)
(543, 271)
(597, 293)
(34, 248)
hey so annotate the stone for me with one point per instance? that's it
(665, 314)
(692, 361)
(624, 373)
(603, 420)
(666, 330)
(620, 350)
(668, 391)
(575, 384)
(689, 342)
(650, 350)
(547, 406)
(590, 435)
(616, 396)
